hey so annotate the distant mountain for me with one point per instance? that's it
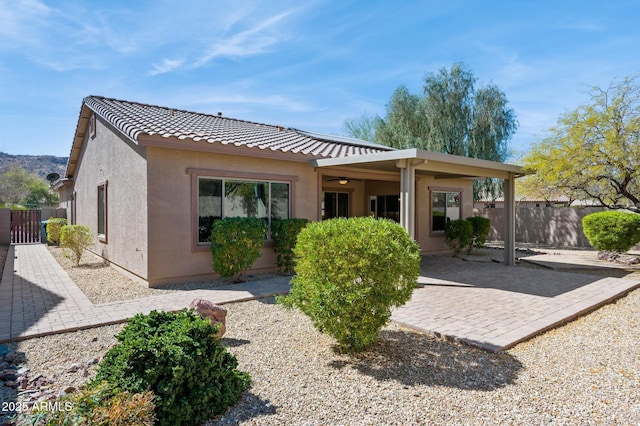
(40, 165)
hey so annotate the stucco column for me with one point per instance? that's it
(407, 196)
(5, 227)
(510, 220)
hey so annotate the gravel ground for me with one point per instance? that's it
(101, 283)
(584, 373)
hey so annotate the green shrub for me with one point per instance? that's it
(74, 239)
(236, 243)
(612, 230)
(350, 273)
(101, 405)
(481, 226)
(191, 374)
(458, 235)
(53, 227)
(285, 234)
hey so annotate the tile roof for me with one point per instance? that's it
(136, 119)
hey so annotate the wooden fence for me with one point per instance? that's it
(26, 226)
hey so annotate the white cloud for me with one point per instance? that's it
(22, 22)
(166, 66)
(583, 25)
(236, 99)
(61, 39)
(252, 41)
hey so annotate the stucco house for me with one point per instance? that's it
(150, 180)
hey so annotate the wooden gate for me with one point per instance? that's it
(25, 226)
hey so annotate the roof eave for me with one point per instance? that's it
(430, 161)
(78, 139)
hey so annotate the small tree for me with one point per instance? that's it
(592, 153)
(350, 273)
(481, 227)
(285, 234)
(54, 225)
(458, 234)
(236, 243)
(75, 239)
(612, 230)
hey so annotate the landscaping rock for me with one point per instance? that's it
(625, 259)
(9, 375)
(73, 368)
(4, 349)
(215, 313)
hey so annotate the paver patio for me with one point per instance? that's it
(494, 307)
(484, 304)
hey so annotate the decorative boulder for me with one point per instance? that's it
(215, 313)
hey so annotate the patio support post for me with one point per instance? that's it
(510, 220)
(407, 195)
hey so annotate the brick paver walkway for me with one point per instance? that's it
(484, 304)
(37, 297)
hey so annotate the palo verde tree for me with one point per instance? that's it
(450, 116)
(593, 152)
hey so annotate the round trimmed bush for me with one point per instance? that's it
(284, 234)
(612, 230)
(174, 355)
(53, 227)
(236, 242)
(481, 227)
(458, 235)
(350, 273)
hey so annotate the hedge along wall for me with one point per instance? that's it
(550, 226)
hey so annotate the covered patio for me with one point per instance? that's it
(409, 166)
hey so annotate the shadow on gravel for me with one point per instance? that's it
(414, 359)
(239, 413)
(234, 343)
(102, 265)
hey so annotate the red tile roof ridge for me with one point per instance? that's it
(142, 104)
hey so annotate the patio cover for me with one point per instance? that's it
(410, 162)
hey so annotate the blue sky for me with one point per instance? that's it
(308, 65)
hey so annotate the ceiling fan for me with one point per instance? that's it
(342, 180)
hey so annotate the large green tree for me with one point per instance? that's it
(594, 151)
(18, 187)
(363, 127)
(450, 116)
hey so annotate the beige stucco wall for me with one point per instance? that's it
(434, 242)
(172, 255)
(5, 227)
(543, 226)
(119, 162)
